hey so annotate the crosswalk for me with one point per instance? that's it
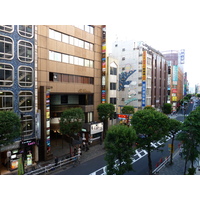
(139, 153)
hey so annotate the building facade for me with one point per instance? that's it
(17, 90)
(142, 75)
(69, 75)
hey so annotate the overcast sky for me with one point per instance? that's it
(173, 25)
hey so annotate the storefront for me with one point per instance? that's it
(96, 131)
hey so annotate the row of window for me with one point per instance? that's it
(70, 78)
(70, 40)
(87, 28)
(56, 56)
(23, 30)
(25, 75)
(25, 101)
(24, 49)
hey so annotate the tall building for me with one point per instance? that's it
(142, 74)
(69, 69)
(175, 61)
(17, 90)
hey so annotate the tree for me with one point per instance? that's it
(105, 111)
(167, 108)
(190, 136)
(119, 146)
(151, 126)
(10, 128)
(174, 127)
(149, 107)
(71, 122)
(128, 110)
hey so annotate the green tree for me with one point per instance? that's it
(105, 111)
(119, 146)
(151, 126)
(71, 122)
(10, 128)
(167, 108)
(149, 107)
(190, 136)
(174, 127)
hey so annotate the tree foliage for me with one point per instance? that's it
(71, 121)
(128, 110)
(190, 136)
(119, 146)
(105, 111)
(151, 126)
(10, 127)
(167, 108)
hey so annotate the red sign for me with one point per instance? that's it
(122, 116)
(174, 90)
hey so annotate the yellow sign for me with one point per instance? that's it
(144, 65)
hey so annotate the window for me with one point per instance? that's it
(25, 76)
(71, 59)
(112, 86)
(25, 51)
(65, 38)
(87, 63)
(55, 35)
(113, 100)
(87, 45)
(25, 101)
(123, 49)
(65, 58)
(27, 125)
(25, 30)
(6, 47)
(91, 63)
(71, 40)
(91, 46)
(6, 100)
(6, 28)
(6, 74)
(113, 71)
(55, 56)
(123, 58)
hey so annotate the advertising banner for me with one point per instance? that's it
(175, 75)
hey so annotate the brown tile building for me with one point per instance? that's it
(68, 75)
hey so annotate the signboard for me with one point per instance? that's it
(144, 65)
(96, 128)
(182, 56)
(175, 75)
(143, 93)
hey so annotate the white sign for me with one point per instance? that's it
(96, 128)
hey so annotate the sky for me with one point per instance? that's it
(170, 26)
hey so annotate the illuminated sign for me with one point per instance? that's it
(144, 65)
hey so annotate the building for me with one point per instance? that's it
(175, 61)
(142, 74)
(69, 69)
(17, 90)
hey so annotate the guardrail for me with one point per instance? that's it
(49, 168)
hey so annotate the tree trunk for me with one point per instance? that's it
(149, 160)
(172, 148)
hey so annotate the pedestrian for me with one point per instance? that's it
(75, 151)
(56, 161)
(181, 152)
(83, 145)
(79, 150)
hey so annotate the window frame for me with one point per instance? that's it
(32, 99)
(25, 120)
(19, 31)
(4, 81)
(6, 26)
(25, 57)
(31, 85)
(3, 96)
(12, 48)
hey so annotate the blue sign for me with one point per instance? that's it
(143, 93)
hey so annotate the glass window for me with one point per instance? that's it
(71, 40)
(87, 63)
(57, 56)
(51, 34)
(65, 38)
(25, 101)
(91, 63)
(81, 43)
(91, 29)
(71, 59)
(51, 55)
(91, 47)
(57, 36)
(87, 28)
(81, 61)
(25, 30)
(76, 60)
(27, 125)
(25, 51)
(6, 74)
(6, 100)
(6, 28)
(112, 86)
(87, 45)
(6, 47)
(25, 76)
(65, 58)
(76, 42)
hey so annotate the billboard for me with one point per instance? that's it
(175, 74)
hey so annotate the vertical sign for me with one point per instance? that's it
(182, 56)
(144, 64)
(175, 74)
(103, 84)
(48, 120)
